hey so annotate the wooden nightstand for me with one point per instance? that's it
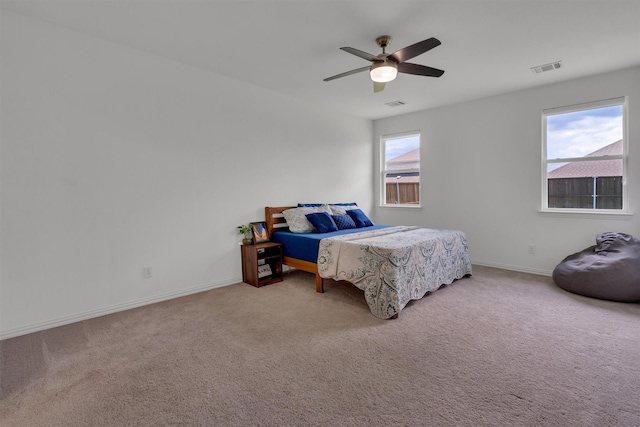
(262, 263)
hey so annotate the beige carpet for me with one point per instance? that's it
(497, 349)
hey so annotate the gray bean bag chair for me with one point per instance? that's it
(610, 270)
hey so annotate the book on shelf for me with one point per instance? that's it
(264, 271)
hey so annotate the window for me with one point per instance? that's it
(584, 157)
(400, 178)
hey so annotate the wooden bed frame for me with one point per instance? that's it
(276, 221)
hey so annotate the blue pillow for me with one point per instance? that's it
(343, 222)
(322, 222)
(359, 218)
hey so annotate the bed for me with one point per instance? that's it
(391, 264)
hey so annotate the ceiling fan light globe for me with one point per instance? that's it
(383, 72)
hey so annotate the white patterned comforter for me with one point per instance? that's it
(396, 264)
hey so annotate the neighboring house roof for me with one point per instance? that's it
(408, 156)
(408, 160)
(592, 168)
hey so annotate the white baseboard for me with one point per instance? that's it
(513, 268)
(40, 326)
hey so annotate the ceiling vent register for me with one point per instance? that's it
(546, 67)
(395, 103)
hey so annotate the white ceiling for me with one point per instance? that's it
(289, 46)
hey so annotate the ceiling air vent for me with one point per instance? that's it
(546, 67)
(395, 103)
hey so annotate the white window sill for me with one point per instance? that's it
(401, 206)
(584, 213)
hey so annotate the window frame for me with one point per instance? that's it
(383, 171)
(619, 101)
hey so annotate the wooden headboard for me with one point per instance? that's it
(275, 219)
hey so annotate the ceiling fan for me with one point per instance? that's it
(385, 67)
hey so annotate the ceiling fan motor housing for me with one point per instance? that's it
(383, 42)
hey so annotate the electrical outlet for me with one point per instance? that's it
(147, 272)
(532, 249)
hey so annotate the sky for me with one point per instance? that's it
(396, 147)
(579, 133)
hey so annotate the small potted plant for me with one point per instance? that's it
(245, 230)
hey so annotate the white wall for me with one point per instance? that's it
(113, 159)
(481, 173)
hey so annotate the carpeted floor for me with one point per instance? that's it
(496, 349)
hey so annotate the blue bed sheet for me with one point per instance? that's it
(305, 245)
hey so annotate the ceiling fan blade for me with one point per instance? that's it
(419, 70)
(347, 73)
(361, 54)
(378, 87)
(414, 50)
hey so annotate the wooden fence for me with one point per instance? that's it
(579, 193)
(568, 193)
(409, 193)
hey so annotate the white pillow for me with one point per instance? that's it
(342, 210)
(297, 220)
